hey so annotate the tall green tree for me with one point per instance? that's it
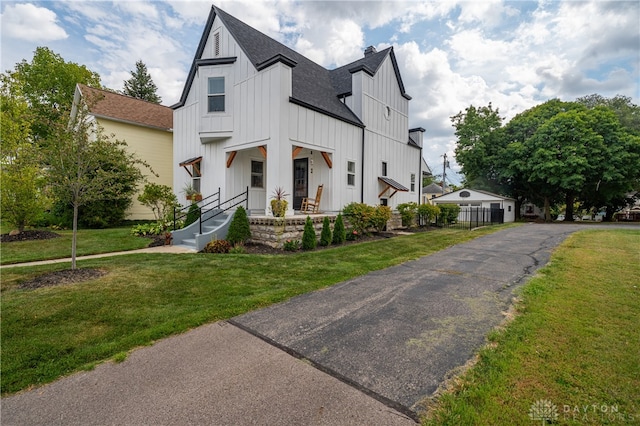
(21, 181)
(628, 113)
(84, 165)
(479, 145)
(140, 85)
(47, 84)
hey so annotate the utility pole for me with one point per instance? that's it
(445, 164)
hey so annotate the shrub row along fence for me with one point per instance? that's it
(470, 217)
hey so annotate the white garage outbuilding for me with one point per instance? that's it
(482, 199)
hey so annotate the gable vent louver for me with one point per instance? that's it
(216, 44)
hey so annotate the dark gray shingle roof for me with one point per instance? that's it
(313, 86)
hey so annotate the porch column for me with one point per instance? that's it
(279, 163)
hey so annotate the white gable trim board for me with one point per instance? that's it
(275, 119)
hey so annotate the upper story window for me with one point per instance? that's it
(351, 173)
(215, 94)
(413, 182)
(384, 168)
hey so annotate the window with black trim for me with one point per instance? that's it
(351, 173)
(413, 182)
(257, 174)
(384, 168)
(215, 94)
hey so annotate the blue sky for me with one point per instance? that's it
(514, 54)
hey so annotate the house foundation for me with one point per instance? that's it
(274, 231)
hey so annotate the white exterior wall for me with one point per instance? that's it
(386, 136)
(316, 132)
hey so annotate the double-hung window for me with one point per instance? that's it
(413, 182)
(351, 173)
(215, 94)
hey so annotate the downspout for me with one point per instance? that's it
(362, 171)
(419, 179)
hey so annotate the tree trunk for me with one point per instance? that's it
(608, 217)
(74, 236)
(547, 210)
(569, 199)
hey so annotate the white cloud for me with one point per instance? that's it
(31, 23)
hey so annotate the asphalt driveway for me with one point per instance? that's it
(380, 344)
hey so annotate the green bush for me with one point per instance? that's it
(408, 213)
(193, 215)
(427, 213)
(160, 199)
(239, 230)
(339, 233)
(291, 245)
(217, 246)
(309, 241)
(359, 216)
(144, 229)
(325, 235)
(380, 217)
(238, 249)
(449, 212)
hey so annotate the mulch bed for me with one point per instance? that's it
(66, 276)
(28, 236)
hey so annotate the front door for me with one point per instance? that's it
(300, 181)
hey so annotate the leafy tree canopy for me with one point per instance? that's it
(553, 151)
(47, 84)
(140, 85)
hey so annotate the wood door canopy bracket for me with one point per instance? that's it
(195, 162)
(325, 155)
(389, 184)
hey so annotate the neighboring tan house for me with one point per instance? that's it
(466, 198)
(255, 114)
(145, 127)
(432, 191)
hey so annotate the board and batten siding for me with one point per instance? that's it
(154, 146)
(316, 132)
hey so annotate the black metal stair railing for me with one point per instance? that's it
(213, 202)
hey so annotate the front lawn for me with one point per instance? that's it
(53, 331)
(90, 241)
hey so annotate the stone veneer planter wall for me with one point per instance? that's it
(274, 231)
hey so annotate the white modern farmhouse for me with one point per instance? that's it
(255, 114)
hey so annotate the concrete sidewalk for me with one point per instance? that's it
(379, 343)
(160, 249)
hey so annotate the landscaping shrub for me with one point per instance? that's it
(339, 233)
(449, 212)
(291, 245)
(160, 199)
(217, 246)
(359, 216)
(427, 213)
(352, 235)
(193, 214)
(238, 249)
(380, 217)
(408, 213)
(239, 230)
(309, 241)
(325, 235)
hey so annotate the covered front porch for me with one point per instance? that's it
(298, 172)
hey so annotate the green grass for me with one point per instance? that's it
(50, 332)
(90, 241)
(575, 342)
